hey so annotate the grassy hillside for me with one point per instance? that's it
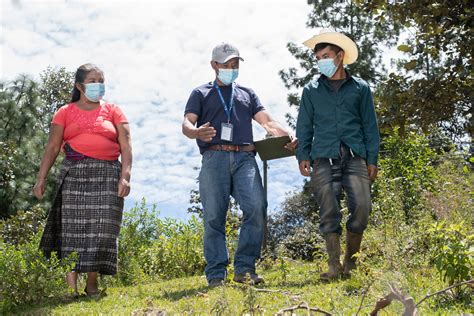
(288, 283)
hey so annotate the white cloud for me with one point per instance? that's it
(153, 54)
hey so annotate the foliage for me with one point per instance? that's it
(452, 199)
(430, 87)
(22, 227)
(151, 247)
(140, 227)
(177, 252)
(351, 18)
(191, 296)
(27, 276)
(433, 86)
(233, 221)
(55, 89)
(409, 164)
(452, 250)
(26, 109)
(294, 230)
(24, 134)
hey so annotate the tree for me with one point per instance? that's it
(433, 86)
(369, 33)
(26, 108)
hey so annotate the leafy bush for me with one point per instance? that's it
(293, 231)
(304, 243)
(408, 162)
(452, 250)
(151, 247)
(27, 276)
(21, 227)
(178, 251)
(140, 227)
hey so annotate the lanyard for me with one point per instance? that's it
(227, 107)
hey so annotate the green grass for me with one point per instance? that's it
(300, 282)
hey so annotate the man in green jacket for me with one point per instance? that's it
(339, 139)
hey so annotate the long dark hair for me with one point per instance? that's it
(81, 74)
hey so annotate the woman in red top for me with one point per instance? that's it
(87, 210)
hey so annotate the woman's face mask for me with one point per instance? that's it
(94, 91)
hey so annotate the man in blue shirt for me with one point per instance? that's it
(219, 116)
(339, 138)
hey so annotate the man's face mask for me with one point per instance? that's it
(327, 66)
(227, 76)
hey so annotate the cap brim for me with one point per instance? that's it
(350, 48)
(229, 58)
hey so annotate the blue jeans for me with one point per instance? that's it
(329, 177)
(224, 174)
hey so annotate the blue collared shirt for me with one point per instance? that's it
(205, 102)
(326, 118)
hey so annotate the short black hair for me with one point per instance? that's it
(321, 46)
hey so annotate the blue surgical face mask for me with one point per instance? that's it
(94, 91)
(327, 67)
(227, 76)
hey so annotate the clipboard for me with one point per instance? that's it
(273, 148)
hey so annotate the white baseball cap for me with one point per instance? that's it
(224, 52)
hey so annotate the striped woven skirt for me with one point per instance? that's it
(86, 215)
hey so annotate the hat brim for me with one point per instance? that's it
(350, 48)
(229, 58)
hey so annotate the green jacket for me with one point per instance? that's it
(326, 118)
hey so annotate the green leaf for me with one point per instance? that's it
(410, 65)
(404, 48)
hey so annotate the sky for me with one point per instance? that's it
(153, 54)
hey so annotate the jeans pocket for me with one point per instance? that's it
(207, 155)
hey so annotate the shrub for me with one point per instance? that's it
(21, 227)
(293, 230)
(408, 162)
(140, 227)
(27, 276)
(152, 247)
(452, 250)
(178, 251)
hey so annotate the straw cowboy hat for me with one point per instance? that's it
(338, 39)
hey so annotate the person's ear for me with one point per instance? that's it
(341, 56)
(214, 65)
(80, 87)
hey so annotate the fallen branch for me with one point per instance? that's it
(302, 305)
(395, 294)
(444, 290)
(363, 297)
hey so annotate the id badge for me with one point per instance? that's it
(226, 132)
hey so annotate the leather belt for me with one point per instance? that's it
(235, 148)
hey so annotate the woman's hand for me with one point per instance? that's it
(123, 187)
(39, 188)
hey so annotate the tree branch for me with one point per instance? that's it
(303, 305)
(395, 294)
(444, 290)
